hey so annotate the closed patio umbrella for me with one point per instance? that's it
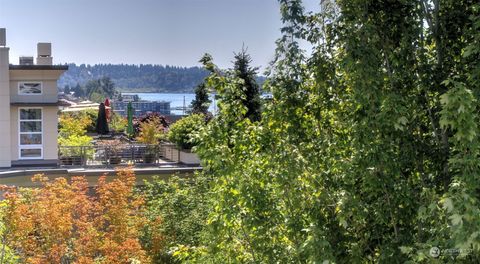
(108, 109)
(102, 125)
(130, 119)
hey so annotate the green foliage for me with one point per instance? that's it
(72, 133)
(368, 151)
(118, 123)
(78, 91)
(7, 255)
(86, 119)
(202, 101)
(151, 131)
(73, 124)
(92, 115)
(149, 78)
(249, 87)
(76, 141)
(182, 132)
(96, 90)
(182, 205)
(136, 78)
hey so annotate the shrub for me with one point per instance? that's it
(181, 132)
(146, 118)
(76, 141)
(118, 123)
(72, 133)
(151, 131)
(72, 125)
(86, 118)
(61, 223)
(182, 205)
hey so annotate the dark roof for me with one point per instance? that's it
(59, 103)
(39, 67)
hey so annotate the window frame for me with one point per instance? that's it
(23, 82)
(32, 146)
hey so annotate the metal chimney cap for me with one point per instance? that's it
(44, 49)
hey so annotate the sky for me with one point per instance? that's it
(167, 32)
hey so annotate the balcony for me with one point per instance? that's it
(119, 155)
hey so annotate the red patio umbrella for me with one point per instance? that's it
(107, 109)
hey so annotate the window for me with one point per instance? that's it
(29, 88)
(30, 133)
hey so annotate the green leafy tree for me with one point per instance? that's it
(368, 150)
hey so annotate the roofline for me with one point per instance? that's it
(59, 103)
(38, 67)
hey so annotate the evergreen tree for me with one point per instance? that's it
(108, 86)
(201, 102)
(250, 88)
(66, 89)
(78, 91)
(99, 89)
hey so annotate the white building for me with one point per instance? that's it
(28, 107)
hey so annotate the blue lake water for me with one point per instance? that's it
(175, 99)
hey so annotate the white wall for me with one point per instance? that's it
(50, 132)
(49, 85)
(5, 159)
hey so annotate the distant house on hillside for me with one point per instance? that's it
(28, 106)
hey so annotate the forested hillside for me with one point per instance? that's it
(143, 77)
(138, 78)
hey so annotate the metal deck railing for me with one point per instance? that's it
(122, 154)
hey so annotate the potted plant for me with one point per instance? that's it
(75, 149)
(114, 156)
(65, 159)
(182, 132)
(151, 132)
(75, 145)
(112, 149)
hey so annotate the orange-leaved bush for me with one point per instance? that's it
(63, 222)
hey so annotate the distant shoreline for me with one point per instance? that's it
(158, 92)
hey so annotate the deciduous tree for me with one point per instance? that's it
(61, 222)
(368, 150)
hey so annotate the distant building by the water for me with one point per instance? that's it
(140, 107)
